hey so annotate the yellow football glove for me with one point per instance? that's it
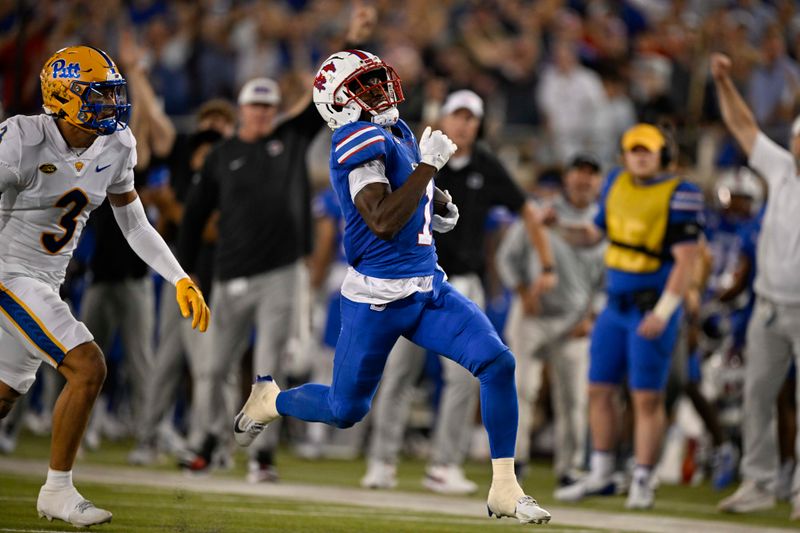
(190, 300)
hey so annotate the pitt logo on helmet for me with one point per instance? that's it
(62, 70)
(82, 86)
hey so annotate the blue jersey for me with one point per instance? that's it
(411, 252)
(726, 238)
(740, 318)
(748, 233)
(685, 207)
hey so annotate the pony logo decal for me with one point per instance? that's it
(321, 79)
(63, 70)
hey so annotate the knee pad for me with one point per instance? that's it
(347, 415)
(502, 366)
(480, 349)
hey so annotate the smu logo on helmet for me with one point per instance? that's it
(321, 80)
(62, 70)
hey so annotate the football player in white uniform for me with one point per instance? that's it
(54, 169)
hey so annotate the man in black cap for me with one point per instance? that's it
(555, 326)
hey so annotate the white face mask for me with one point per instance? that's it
(386, 118)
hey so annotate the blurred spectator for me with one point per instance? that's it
(650, 85)
(211, 63)
(774, 86)
(548, 186)
(615, 117)
(167, 61)
(258, 53)
(570, 97)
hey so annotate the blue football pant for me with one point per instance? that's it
(617, 349)
(443, 321)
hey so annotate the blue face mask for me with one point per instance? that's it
(104, 106)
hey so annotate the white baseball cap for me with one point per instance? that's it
(260, 91)
(464, 99)
(796, 127)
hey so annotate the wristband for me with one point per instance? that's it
(666, 305)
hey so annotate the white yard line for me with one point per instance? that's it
(36, 530)
(394, 500)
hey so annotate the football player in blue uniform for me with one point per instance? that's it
(393, 287)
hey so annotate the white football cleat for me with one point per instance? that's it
(68, 505)
(448, 479)
(258, 411)
(261, 473)
(7, 444)
(526, 510)
(641, 495)
(588, 486)
(380, 475)
(749, 497)
(143, 455)
(783, 481)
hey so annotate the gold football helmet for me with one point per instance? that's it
(83, 86)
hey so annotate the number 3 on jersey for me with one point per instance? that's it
(425, 237)
(75, 200)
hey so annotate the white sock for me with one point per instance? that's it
(505, 490)
(58, 480)
(503, 468)
(641, 474)
(601, 465)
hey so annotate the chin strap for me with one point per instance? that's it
(386, 118)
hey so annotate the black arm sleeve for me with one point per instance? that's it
(202, 199)
(679, 232)
(307, 123)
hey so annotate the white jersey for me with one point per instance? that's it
(48, 190)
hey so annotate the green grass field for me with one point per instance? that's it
(138, 508)
(141, 509)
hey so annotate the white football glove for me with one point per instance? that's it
(443, 224)
(436, 148)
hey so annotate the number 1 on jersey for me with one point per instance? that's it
(425, 237)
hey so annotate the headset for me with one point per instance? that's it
(668, 152)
